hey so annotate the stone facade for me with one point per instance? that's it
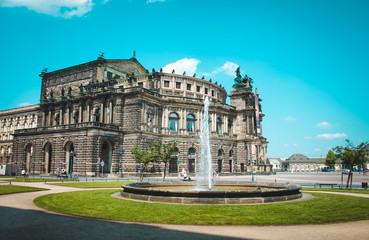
(99, 110)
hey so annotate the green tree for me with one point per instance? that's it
(145, 156)
(330, 159)
(351, 156)
(166, 152)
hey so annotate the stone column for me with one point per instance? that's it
(80, 113)
(68, 116)
(43, 119)
(110, 112)
(61, 117)
(102, 113)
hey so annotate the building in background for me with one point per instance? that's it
(301, 163)
(276, 164)
(97, 111)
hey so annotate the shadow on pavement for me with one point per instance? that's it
(30, 224)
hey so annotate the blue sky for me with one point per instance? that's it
(308, 59)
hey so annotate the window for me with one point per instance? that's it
(97, 114)
(198, 88)
(190, 123)
(140, 84)
(230, 126)
(178, 85)
(166, 83)
(219, 126)
(173, 122)
(212, 93)
(188, 87)
(109, 75)
(206, 90)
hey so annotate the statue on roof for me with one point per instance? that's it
(247, 79)
(238, 78)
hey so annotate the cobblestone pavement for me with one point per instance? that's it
(21, 219)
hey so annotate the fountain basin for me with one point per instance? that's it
(235, 193)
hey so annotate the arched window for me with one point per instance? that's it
(173, 122)
(230, 120)
(191, 152)
(97, 115)
(190, 123)
(219, 126)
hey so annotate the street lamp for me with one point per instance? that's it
(252, 168)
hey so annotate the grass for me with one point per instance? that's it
(110, 184)
(31, 179)
(8, 189)
(336, 190)
(323, 208)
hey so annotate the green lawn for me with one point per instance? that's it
(8, 189)
(31, 179)
(110, 184)
(336, 190)
(99, 204)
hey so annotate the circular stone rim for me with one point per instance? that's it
(268, 192)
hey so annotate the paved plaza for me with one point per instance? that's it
(21, 219)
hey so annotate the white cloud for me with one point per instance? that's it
(328, 136)
(151, 1)
(324, 125)
(25, 104)
(188, 65)
(316, 150)
(228, 68)
(308, 137)
(56, 8)
(295, 144)
(289, 118)
(286, 145)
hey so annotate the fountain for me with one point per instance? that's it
(204, 192)
(205, 169)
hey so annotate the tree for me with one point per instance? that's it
(145, 156)
(351, 156)
(330, 159)
(166, 152)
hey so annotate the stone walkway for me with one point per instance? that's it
(21, 219)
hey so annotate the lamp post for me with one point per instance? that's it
(252, 168)
(120, 153)
(11, 164)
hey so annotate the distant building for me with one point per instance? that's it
(301, 163)
(276, 164)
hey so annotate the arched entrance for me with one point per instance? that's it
(106, 156)
(69, 157)
(191, 160)
(29, 152)
(220, 161)
(48, 157)
(173, 163)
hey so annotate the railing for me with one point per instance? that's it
(69, 127)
